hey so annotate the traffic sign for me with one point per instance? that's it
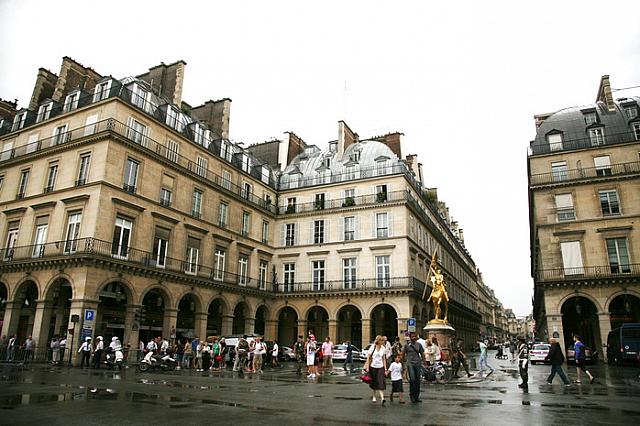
(89, 315)
(411, 324)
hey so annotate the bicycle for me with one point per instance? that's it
(440, 372)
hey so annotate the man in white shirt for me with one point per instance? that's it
(85, 349)
(423, 343)
(97, 354)
(274, 355)
(259, 349)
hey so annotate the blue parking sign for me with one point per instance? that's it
(411, 322)
(89, 314)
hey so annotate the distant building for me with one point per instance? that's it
(584, 181)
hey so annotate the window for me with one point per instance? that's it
(1, 181)
(130, 175)
(218, 270)
(40, 237)
(294, 181)
(226, 151)
(52, 174)
(382, 225)
(609, 202)
(83, 169)
(555, 141)
(381, 167)
(265, 231)
(139, 96)
(631, 111)
(71, 102)
(327, 162)
(201, 166)
(89, 125)
(160, 244)
(121, 236)
(319, 202)
(73, 232)
(564, 207)
(101, 91)
(265, 175)
(356, 155)
(60, 135)
(18, 121)
(173, 149)
(603, 165)
(559, 171)
(196, 203)
(381, 193)
(243, 266)
(291, 205)
(383, 271)
(226, 180)
(317, 267)
(193, 254)
(247, 190)
(352, 172)
(318, 232)
(223, 215)
(7, 151)
(246, 217)
(12, 238)
(165, 197)
(590, 118)
(571, 257)
(137, 132)
(44, 112)
(262, 275)
(290, 234)
(289, 277)
(618, 255)
(596, 136)
(349, 273)
(22, 186)
(349, 228)
(172, 119)
(636, 130)
(246, 163)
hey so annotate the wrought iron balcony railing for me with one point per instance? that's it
(360, 200)
(621, 169)
(351, 285)
(616, 138)
(587, 272)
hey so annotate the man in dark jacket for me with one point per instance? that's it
(556, 357)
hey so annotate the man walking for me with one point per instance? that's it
(85, 350)
(11, 347)
(523, 363)
(97, 354)
(459, 358)
(581, 356)
(29, 345)
(327, 354)
(483, 358)
(298, 350)
(414, 356)
(556, 357)
(348, 361)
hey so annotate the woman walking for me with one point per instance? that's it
(376, 366)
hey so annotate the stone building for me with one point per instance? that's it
(118, 197)
(584, 200)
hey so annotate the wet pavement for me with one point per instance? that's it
(59, 395)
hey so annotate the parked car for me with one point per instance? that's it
(288, 353)
(571, 355)
(623, 344)
(363, 353)
(340, 353)
(539, 353)
(281, 355)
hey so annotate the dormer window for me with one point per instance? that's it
(327, 162)
(44, 112)
(631, 111)
(265, 174)
(139, 96)
(381, 167)
(172, 117)
(19, 120)
(71, 102)
(226, 151)
(590, 118)
(101, 91)
(356, 155)
(555, 141)
(198, 133)
(596, 136)
(246, 163)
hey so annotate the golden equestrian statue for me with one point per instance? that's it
(438, 293)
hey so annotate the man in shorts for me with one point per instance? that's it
(580, 351)
(311, 358)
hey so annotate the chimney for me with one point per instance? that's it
(604, 94)
(216, 115)
(291, 146)
(412, 162)
(393, 141)
(74, 75)
(346, 138)
(167, 80)
(43, 89)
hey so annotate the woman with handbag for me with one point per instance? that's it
(376, 366)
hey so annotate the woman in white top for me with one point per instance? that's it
(437, 353)
(376, 366)
(431, 353)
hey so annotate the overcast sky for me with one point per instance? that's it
(462, 80)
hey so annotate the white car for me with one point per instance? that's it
(363, 353)
(539, 352)
(288, 353)
(340, 353)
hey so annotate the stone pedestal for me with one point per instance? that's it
(444, 332)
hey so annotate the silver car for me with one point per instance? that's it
(340, 353)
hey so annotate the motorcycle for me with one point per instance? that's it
(157, 362)
(114, 359)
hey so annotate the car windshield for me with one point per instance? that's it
(541, 348)
(340, 348)
(631, 333)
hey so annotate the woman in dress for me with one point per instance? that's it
(376, 366)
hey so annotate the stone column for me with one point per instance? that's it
(604, 321)
(201, 324)
(366, 332)
(333, 330)
(302, 329)
(41, 324)
(77, 308)
(170, 321)
(227, 325)
(271, 330)
(11, 318)
(131, 328)
(249, 325)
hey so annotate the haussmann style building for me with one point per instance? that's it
(584, 200)
(119, 197)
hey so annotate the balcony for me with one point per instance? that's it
(574, 175)
(582, 143)
(339, 203)
(366, 284)
(606, 271)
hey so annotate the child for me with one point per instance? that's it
(396, 378)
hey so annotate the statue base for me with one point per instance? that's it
(444, 332)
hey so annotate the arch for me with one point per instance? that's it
(188, 305)
(128, 287)
(580, 316)
(580, 294)
(260, 316)
(385, 302)
(226, 309)
(153, 303)
(320, 305)
(317, 321)
(24, 296)
(216, 311)
(54, 280)
(346, 303)
(384, 321)
(612, 296)
(241, 313)
(166, 295)
(112, 312)
(197, 299)
(278, 310)
(4, 294)
(624, 308)
(24, 280)
(287, 325)
(349, 325)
